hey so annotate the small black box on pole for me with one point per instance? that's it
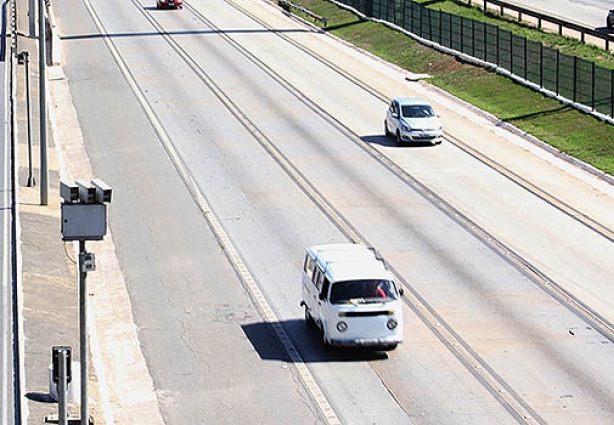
(55, 361)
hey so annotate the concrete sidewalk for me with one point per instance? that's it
(49, 271)
(50, 283)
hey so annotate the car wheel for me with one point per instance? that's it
(386, 131)
(398, 137)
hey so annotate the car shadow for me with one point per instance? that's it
(163, 9)
(379, 140)
(306, 340)
(382, 140)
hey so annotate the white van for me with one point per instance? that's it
(351, 296)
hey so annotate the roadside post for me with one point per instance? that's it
(84, 218)
(23, 58)
(61, 361)
(42, 84)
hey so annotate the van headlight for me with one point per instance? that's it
(342, 326)
(392, 324)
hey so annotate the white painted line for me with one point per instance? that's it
(310, 383)
(269, 315)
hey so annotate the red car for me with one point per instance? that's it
(169, 4)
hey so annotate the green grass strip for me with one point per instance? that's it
(568, 45)
(573, 132)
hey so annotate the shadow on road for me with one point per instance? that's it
(307, 341)
(40, 397)
(382, 140)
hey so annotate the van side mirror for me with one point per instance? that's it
(322, 296)
(401, 291)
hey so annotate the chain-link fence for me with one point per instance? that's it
(573, 78)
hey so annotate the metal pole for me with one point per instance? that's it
(62, 387)
(42, 60)
(31, 18)
(31, 181)
(83, 335)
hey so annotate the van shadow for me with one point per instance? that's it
(307, 341)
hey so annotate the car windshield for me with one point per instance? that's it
(417, 111)
(362, 291)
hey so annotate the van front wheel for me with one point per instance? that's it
(308, 319)
(326, 343)
(389, 347)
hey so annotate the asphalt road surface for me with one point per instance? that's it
(230, 118)
(588, 12)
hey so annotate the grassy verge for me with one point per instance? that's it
(571, 131)
(567, 45)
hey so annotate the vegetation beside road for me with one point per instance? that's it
(567, 45)
(564, 127)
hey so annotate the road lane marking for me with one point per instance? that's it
(270, 317)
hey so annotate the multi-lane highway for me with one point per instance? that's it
(234, 137)
(588, 12)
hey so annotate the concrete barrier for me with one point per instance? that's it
(55, 43)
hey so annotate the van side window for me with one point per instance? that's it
(324, 290)
(308, 266)
(317, 278)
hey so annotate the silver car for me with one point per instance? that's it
(413, 120)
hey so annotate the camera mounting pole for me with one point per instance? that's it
(84, 217)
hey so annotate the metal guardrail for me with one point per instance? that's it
(540, 17)
(572, 81)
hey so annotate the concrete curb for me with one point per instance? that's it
(55, 42)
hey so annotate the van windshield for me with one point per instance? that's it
(362, 291)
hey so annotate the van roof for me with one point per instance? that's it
(338, 271)
(348, 261)
(339, 252)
